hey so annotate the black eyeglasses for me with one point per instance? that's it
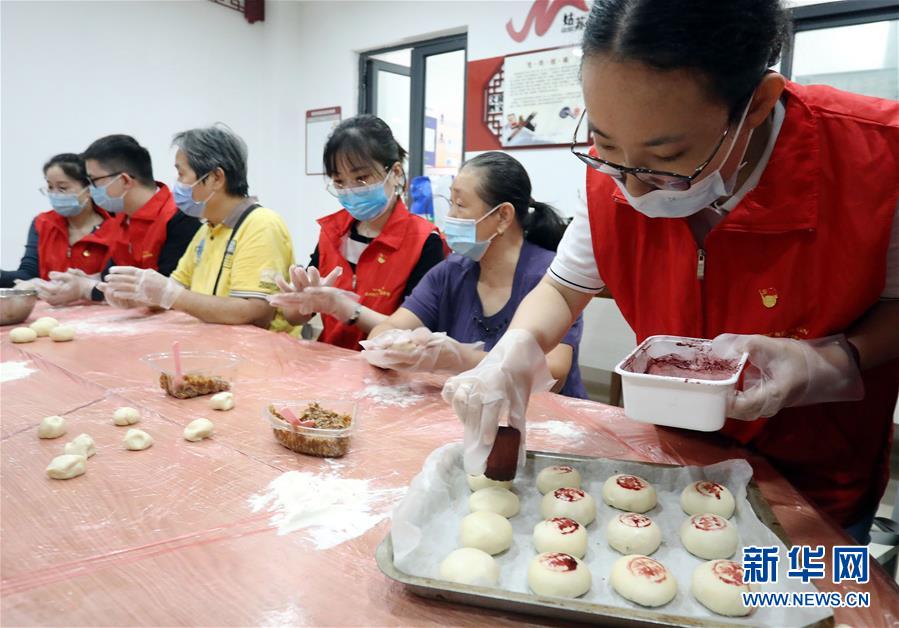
(656, 178)
(93, 180)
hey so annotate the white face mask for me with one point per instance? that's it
(683, 203)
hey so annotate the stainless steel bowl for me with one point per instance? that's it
(16, 305)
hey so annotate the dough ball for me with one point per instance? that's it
(61, 333)
(486, 531)
(43, 325)
(136, 440)
(718, 585)
(82, 445)
(561, 534)
(494, 499)
(558, 476)
(222, 401)
(477, 482)
(470, 566)
(630, 493)
(22, 334)
(709, 536)
(67, 466)
(51, 427)
(404, 346)
(704, 496)
(558, 575)
(125, 416)
(198, 429)
(632, 533)
(643, 580)
(572, 503)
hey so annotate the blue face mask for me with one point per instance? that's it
(184, 198)
(462, 236)
(66, 205)
(366, 202)
(112, 204)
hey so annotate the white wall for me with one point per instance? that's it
(75, 71)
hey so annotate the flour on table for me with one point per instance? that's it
(11, 371)
(401, 395)
(560, 429)
(331, 509)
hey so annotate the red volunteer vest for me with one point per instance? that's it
(382, 271)
(89, 254)
(802, 256)
(143, 234)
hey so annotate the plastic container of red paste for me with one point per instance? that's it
(679, 382)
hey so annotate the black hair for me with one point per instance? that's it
(362, 140)
(731, 43)
(504, 180)
(122, 153)
(72, 166)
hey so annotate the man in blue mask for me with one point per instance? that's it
(154, 233)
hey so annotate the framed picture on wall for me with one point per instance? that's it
(524, 100)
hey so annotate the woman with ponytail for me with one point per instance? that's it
(503, 242)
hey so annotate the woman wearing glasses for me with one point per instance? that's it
(503, 242)
(726, 202)
(370, 254)
(75, 234)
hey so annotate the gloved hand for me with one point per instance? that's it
(143, 285)
(43, 287)
(515, 368)
(341, 304)
(784, 373)
(301, 279)
(111, 299)
(68, 287)
(418, 350)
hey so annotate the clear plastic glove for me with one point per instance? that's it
(784, 373)
(341, 304)
(68, 287)
(111, 299)
(301, 279)
(505, 379)
(418, 350)
(42, 286)
(142, 285)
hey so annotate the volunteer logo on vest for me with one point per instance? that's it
(378, 292)
(381, 258)
(769, 297)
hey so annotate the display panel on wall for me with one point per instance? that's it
(524, 100)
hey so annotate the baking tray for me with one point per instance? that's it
(573, 609)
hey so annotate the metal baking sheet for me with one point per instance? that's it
(573, 610)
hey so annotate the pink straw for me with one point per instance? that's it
(176, 354)
(288, 414)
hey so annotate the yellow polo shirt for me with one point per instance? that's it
(260, 251)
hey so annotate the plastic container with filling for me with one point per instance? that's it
(203, 372)
(676, 381)
(312, 441)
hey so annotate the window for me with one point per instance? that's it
(852, 45)
(419, 90)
